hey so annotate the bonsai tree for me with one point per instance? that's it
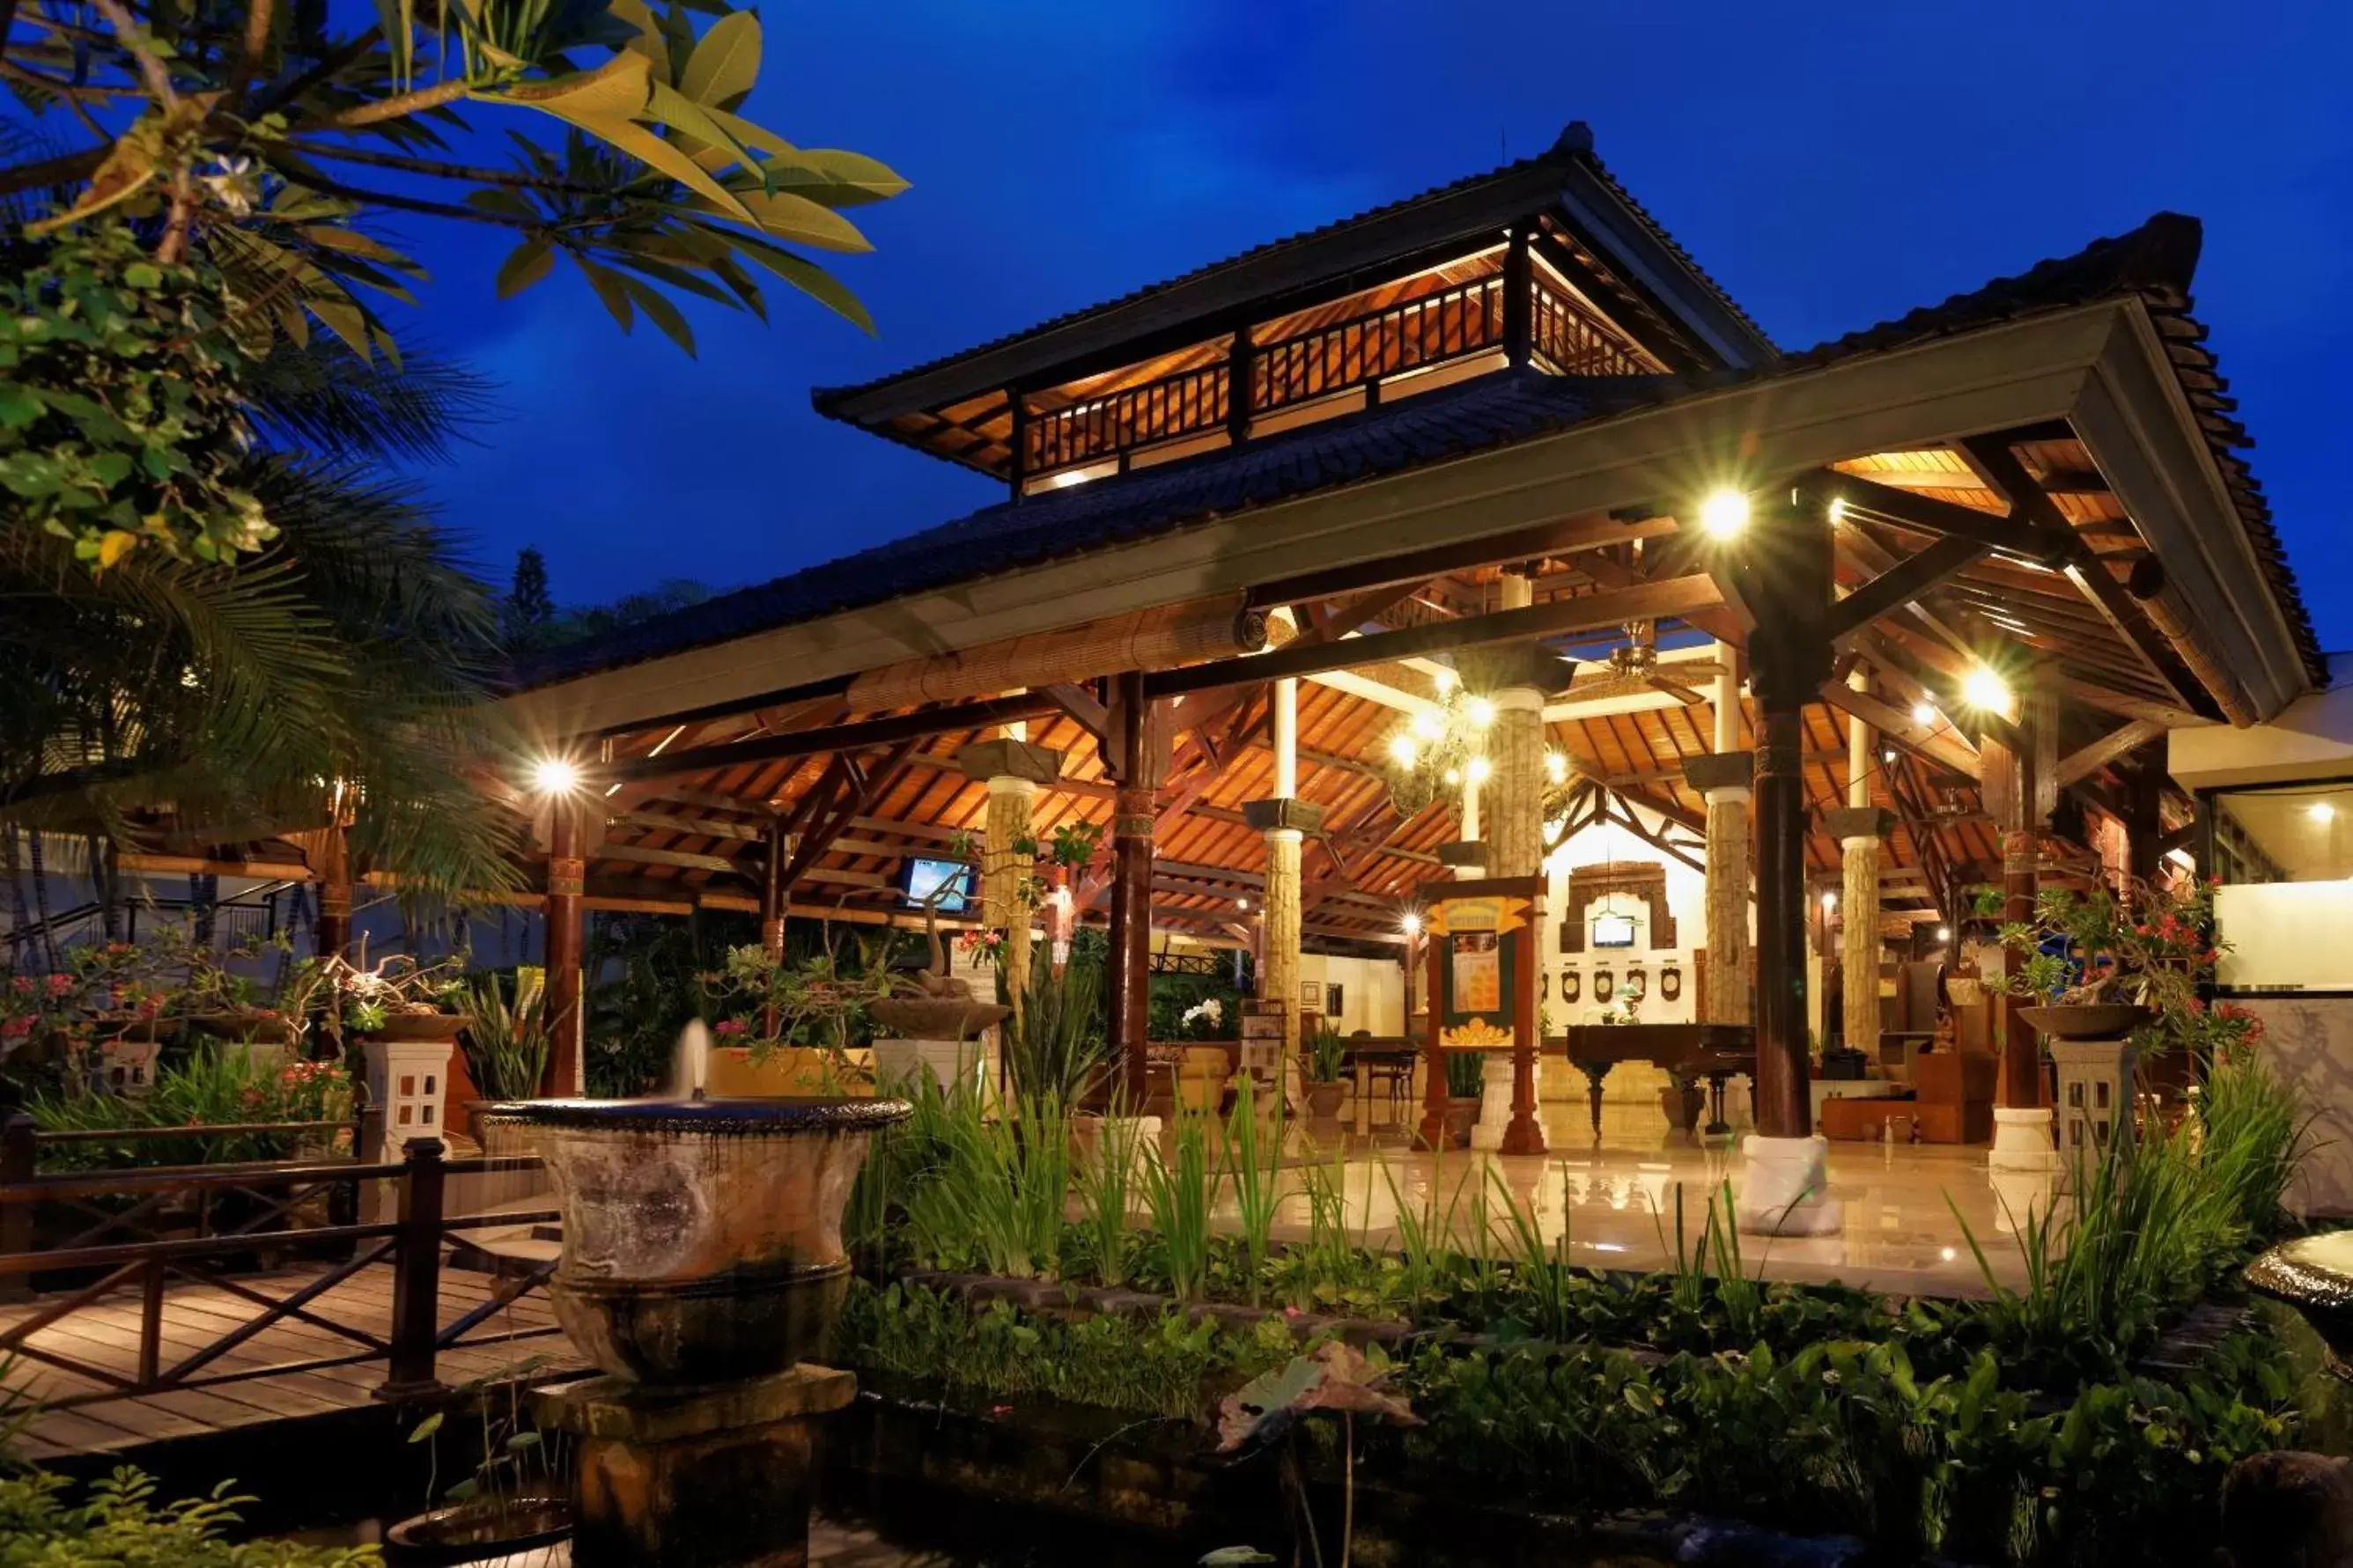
(2148, 945)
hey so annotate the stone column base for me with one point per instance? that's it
(2020, 1198)
(2021, 1141)
(707, 1478)
(1784, 1187)
(1494, 1102)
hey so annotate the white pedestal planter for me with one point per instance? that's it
(2020, 1197)
(2095, 1094)
(128, 1067)
(951, 1064)
(407, 1090)
(1784, 1187)
(1494, 1102)
(2021, 1141)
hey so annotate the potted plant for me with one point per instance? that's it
(220, 1002)
(1326, 1057)
(514, 1501)
(2106, 966)
(790, 1026)
(1466, 1076)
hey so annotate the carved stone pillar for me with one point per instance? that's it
(1514, 680)
(1859, 830)
(1014, 771)
(1285, 823)
(1724, 780)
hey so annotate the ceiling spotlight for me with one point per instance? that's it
(1480, 711)
(1428, 725)
(1402, 751)
(1241, 903)
(1445, 679)
(2321, 811)
(1829, 902)
(554, 775)
(1411, 923)
(1482, 769)
(1555, 767)
(1838, 510)
(1888, 755)
(1923, 713)
(1723, 514)
(1944, 933)
(1984, 688)
(1455, 775)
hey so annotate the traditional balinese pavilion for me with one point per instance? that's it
(1939, 590)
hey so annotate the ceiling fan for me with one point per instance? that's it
(1633, 669)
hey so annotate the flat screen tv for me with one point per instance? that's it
(922, 877)
(1613, 930)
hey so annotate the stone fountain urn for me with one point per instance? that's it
(702, 1268)
(939, 1028)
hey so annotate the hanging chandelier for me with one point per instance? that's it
(1442, 747)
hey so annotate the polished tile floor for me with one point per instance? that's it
(1908, 1211)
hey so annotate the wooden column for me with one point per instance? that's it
(1784, 569)
(1783, 1110)
(333, 851)
(2144, 814)
(779, 849)
(2015, 800)
(566, 880)
(1142, 758)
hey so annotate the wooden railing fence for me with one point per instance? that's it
(409, 1244)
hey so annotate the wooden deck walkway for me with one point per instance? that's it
(106, 1335)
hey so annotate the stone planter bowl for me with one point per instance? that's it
(1324, 1100)
(937, 1018)
(419, 1028)
(702, 1238)
(2087, 1021)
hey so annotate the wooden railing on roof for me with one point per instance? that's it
(1575, 340)
(1451, 324)
(1184, 404)
(1358, 351)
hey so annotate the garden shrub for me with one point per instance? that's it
(118, 1524)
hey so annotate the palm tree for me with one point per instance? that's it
(231, 701)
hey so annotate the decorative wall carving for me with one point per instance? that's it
(1643, 879)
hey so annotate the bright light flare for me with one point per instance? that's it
(1482, 769)
(1402, 751)
(1411, 923)
(1984, 689)
(1555, 767)
(1923, 713)
(1829, 902)
(1445, 679)
(1428, 725)
(1723, 514)
(1480, 711)
(554, 775)
(1944, 933)
(2321, 811)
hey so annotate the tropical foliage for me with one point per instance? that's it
(119, 1521)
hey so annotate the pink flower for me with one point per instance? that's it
(15, 1028)
(730, 1027)
(61, 987)
(24, 984)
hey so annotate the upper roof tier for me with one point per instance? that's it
(1548, 260)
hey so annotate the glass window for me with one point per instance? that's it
(2285, 858)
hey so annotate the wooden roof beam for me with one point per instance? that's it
(2013, 535)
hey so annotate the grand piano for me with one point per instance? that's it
(1688, 1051)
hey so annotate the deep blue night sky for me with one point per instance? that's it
(1830, 170)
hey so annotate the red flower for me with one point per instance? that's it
(24, 984)
(15, 1028)
(730, 1027)
(61, 987)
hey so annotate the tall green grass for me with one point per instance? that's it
(1179, 1191)
(994, 1193)
(1250, 1163)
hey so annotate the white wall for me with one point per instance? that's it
(1686, 900)
(2298, 934)
(2309, 1043)
(1372, 990)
